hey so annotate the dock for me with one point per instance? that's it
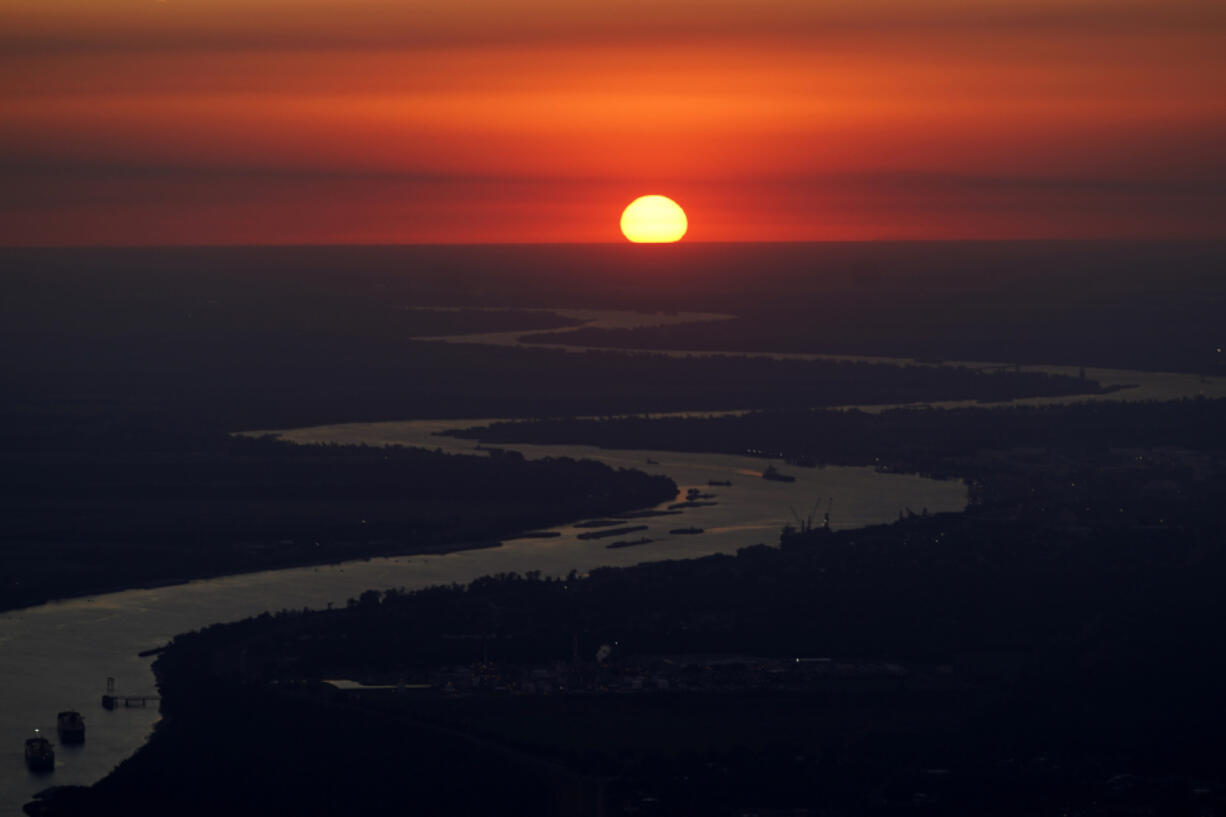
(127, 701)
(110, 700)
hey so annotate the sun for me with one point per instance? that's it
(654, 220)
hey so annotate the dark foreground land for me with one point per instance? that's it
(1057, 649)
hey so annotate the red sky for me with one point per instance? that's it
(271, 121)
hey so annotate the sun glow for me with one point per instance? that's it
(654, 220)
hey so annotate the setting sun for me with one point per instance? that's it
(653, 220)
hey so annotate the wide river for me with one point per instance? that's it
(58, 656)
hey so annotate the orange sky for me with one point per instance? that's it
(271, 121)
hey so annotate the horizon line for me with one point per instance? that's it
(623, 243)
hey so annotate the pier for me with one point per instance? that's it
(127, 701)
(110, 700)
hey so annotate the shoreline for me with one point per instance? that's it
(435, 550)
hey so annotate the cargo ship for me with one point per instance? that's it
(71, 726)
(40, 756)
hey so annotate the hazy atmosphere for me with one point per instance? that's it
(775, 409)
(183, 122)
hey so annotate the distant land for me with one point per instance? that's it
(244, 338)
(1139, 304)
(947, 442)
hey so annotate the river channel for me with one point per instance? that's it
(59, 655)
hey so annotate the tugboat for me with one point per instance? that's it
(71, 727)
(772, 474)
(40, 756)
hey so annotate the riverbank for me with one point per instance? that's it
(935, 442)
(949, 627)
(60, 654)
(425, 550)
(999, 646)
(167, 508)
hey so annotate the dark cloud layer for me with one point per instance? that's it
(261, 27)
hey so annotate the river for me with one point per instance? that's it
(58, 655)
